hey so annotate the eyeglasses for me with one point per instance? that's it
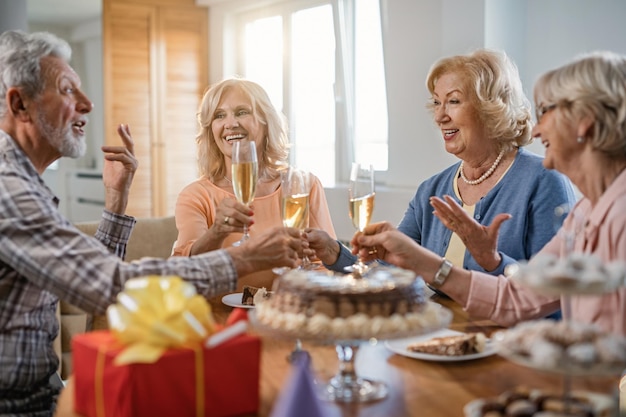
(541, 110)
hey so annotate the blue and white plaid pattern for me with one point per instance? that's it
(43, 257)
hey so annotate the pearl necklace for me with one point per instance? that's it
(486, 174)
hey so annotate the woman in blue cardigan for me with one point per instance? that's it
(495, 206)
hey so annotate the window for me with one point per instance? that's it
(321, 63)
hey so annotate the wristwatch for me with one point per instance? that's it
(442, 273)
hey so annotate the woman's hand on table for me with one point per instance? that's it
(481, 241)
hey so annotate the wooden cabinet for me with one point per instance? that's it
(155, 72)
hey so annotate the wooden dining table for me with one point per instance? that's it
(415, 387)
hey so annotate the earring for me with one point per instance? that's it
(580, 139)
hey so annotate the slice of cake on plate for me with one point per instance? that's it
(457, 345)
(251, 295)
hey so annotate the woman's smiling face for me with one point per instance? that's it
(457, 117)
(558, 136)
(234, 120)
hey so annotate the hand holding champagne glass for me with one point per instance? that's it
(361, 195)
(245, 174)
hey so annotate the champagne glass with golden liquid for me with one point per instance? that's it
(294, 204)
(361, 204)
(245, 174)
(294, 210)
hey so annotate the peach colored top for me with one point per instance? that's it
(195, 213)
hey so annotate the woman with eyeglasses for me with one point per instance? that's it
(496, 205)
(582, 124)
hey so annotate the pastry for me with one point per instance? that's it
(252, 295)
(457, 345)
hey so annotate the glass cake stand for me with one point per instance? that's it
(346, 386)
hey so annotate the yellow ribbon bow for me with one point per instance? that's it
(156, 313)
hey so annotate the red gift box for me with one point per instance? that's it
(216, 382)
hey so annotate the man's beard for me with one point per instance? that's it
(62, 139)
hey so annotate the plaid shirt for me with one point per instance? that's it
(43, 257)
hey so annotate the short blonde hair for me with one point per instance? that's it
(492, 83)
(275, 146)
(592, 85)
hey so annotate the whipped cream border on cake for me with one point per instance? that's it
(357, 326)
(404, 320)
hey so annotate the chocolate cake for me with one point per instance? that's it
(456, 345)
(315, 304)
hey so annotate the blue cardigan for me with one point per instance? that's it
(528, 192)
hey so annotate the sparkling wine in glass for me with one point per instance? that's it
(245, 174)
(361, 204)
(294, 203)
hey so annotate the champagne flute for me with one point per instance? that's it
(361, 199)
(294, 210)
(245, 174)
(294, 203)
(295, 207)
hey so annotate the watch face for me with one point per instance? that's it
(442, 273)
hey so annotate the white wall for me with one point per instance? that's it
(537, 34)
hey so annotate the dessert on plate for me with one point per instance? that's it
(576, 273)
(564, 345)
(523, 401)
(250, 294)
(456, 345)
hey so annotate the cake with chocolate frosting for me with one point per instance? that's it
(385, 303)
(457, 345)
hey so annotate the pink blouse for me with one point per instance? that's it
(599, 230)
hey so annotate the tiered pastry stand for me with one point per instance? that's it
(565, 291)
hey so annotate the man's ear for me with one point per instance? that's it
(17, 104)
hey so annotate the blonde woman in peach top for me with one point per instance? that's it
(208, 216)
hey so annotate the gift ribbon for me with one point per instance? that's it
(99, 381)
(156, 313)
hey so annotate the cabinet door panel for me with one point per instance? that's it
(156, 69)
(184, 79)
(129, 86)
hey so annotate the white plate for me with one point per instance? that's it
(399, 346)
(234, 300)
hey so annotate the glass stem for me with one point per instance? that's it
(346, 376)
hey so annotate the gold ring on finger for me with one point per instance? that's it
(227, 220)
